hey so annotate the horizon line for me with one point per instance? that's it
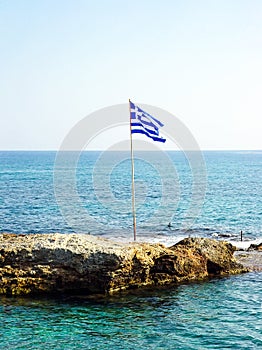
(121, 150)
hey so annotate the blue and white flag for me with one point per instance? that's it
(143, 123)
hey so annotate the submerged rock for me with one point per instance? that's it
(79, 263)
(251, 259)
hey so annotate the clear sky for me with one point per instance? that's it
(198, 59)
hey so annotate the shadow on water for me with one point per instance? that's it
(131, 296)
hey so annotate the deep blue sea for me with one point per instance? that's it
(177, 195)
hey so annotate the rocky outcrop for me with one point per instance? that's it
(255, 247)
(78, 263)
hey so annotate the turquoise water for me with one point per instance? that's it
(233, 199)
(217, 314)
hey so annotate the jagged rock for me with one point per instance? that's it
(78, 263)
(255, 247)
(218, 254)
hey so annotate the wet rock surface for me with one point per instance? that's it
(79, 263)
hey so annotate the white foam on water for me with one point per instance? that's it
(245, 244)
(167, 241)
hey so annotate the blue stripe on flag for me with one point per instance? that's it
(155, 138)
(149, 131)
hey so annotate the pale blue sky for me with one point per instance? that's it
(200, 60)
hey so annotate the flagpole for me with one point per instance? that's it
(133, 177)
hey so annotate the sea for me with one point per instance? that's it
(215, 194)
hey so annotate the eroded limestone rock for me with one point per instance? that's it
(79, 263)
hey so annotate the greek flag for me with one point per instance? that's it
(144, 123)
